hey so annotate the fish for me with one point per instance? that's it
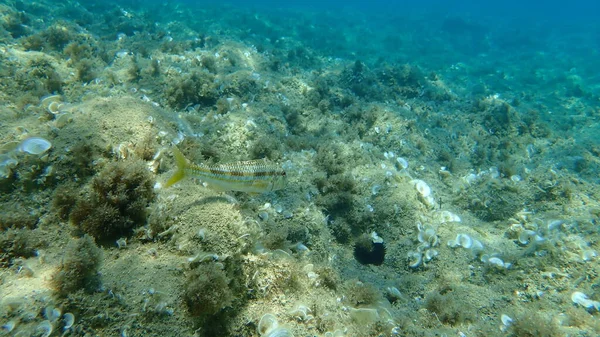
(252, 176)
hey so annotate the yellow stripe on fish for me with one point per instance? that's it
(253, 176)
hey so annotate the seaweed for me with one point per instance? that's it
(85, 70)
(116, 201)
(359, 294)
(43, 69)
(79, 267)
(451, 306)
(534, 324)
(207, 290)
(191, 89)
(16, 243)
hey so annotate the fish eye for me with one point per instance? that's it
(283, 173)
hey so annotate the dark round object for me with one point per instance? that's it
(368, 252)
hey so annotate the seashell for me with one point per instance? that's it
(496, 262)
(393, 293)
(280, 332)
(69, 320)
(427, 235)
(46, 101)
(477, 246)
(526, 235)
(51, 313)
(446, 216)
(430, 254)
(267, 324)
(579, 297)
(464, 240)
(506, 320)
(62, 119)
(452, 243)
(421, 187)
(308, 268)
(54, 107)
(364, 316)
(7, 161)
(414, 259)
(588, 254)
(554, 224)
(9, 147)
(44, 329)
(302, 313)
(402, 163)
(9, 326)
(583, 300)
(35, 145)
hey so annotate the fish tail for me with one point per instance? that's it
(181, 163)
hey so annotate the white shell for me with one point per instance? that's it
(69, 320)
(376, 238)
(477, 246)
(580, 298)
(54, 107)
(280, 332)
(46, 101)
(464, 240)
(554, 224)
(583, 300)
(267, 324)
(452, 243)
(393, 292)
(525, 236)
(446, 216)
(403, 163)
(588, 254)
(62, 119)
(422, 187)
(9, 326)
(44, 329)
(52, 314)
(496, 262)
(506, 320)
(414, 259)
(35, 145)
(430, 254)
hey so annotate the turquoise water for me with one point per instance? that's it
(442, 163)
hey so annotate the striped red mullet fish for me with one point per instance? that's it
(253, 176)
